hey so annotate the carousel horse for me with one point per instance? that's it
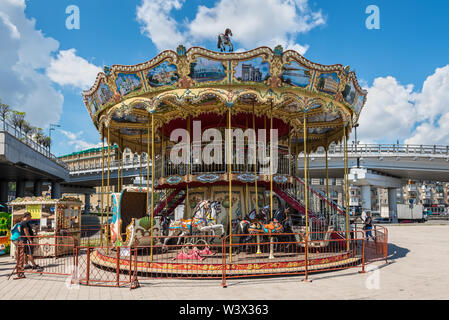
(225, 41)
(260, 226)
(204, 220)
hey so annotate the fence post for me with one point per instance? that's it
(386, 244)
(118, 266)
(363, 255)
(223, 262)
(88, 266)
(306, 256)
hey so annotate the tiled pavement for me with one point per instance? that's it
(420, 256)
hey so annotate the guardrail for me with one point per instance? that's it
(29, 141)
(387, 149)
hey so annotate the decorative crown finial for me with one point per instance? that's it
(278, 50)
(181, 50)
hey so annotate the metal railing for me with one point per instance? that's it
(387, 149)
(29, 141)
(202, 257)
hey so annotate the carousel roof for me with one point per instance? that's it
(180, 87)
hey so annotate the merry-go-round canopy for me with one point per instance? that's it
(200, 84)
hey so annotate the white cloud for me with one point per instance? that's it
(394, 111)
(25, 54)
(389, 112)
(158, 25)
(247, 19)
(433, 109)
(74, 140)
(69, 69)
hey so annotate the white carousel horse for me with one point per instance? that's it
(224, 41)
(203, 221)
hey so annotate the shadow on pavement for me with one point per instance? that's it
(395, 252)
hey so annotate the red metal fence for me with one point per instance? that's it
(202, 256)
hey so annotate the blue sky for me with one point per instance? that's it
(403, 65)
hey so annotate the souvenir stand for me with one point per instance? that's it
(56, 222)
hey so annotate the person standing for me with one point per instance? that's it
(26, 234)
(369, 226)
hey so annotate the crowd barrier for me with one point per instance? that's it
(204, 257)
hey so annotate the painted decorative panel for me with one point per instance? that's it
(207, 70)
(128, 83)
(254, 70)
(328, 83)
(295, 75)
(164, 74)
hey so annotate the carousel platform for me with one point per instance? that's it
(175, 263)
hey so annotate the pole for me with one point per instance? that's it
(187, 207)
(140, 161)
(271, 162)
(107, 190)
(230, 183)
(255, 161)
(346, 185)
(148, 186)
(327, 187)
(306, 196)
(255, 175)
(152, 181)
(102, 189)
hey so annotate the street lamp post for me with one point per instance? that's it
(52, 127)
(355, 132)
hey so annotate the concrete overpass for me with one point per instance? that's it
(414, 162)
(23, 160)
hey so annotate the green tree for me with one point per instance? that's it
(27, 128)
(18, 119)
(4, 110)
(46, 142)
(39, 136)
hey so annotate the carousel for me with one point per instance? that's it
(225, 138)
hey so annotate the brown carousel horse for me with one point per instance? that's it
(256, 226)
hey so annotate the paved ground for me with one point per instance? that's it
(419, 270)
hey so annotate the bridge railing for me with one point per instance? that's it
(393, 149)
(29, 141)
(114, 165)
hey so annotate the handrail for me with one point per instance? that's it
(321, 195)
(29, 141)
(399, 149)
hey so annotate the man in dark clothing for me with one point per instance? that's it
(26, 234)
(369, 226)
